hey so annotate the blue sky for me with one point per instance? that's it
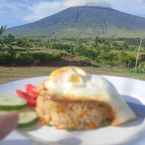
(18, 12)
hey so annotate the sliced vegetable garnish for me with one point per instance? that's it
(27, 118)
(32, 90)
(23, 94)
(30, 94)
(32, 102)
(11, 103)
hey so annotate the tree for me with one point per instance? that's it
(9, 39)
(2, 29)
(137, 54)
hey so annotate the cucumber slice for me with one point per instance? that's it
(11, 103)
(27, 119)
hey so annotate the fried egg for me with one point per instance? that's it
(74, 84)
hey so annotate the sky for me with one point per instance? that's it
(18, 12)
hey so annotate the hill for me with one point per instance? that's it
(84, 21)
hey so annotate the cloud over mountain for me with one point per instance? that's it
(17, 12)
(47, 8)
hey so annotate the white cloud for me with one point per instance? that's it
(43, 9)
(47, 8)
(17, 12)
(105, 3)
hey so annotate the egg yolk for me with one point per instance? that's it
(75, 79)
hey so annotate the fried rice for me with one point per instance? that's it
(73, 114)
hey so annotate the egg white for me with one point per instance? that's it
(89, 88)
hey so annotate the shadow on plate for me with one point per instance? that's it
(15, 142)
(68, 140)
(139, 110)
(65, 141)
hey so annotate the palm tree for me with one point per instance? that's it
(138, 53)
(2, 29)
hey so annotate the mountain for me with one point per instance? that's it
(84, 21)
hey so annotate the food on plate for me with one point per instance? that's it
(27, 118)
(29, 94)
(11, 103)
(72, 99)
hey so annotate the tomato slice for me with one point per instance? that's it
(22, 94)
(31, 102)
(32, 90)
(30, 94)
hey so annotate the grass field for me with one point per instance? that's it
(15, 73)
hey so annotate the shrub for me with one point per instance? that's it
(6, 59)
(28, 58)
(127, 58)
(41, 57)
(23, 59)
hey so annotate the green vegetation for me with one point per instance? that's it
(2, 30)
(49, 52)
(98, 52)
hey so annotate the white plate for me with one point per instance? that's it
(132, 90)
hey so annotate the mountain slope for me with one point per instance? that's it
(85, 21)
